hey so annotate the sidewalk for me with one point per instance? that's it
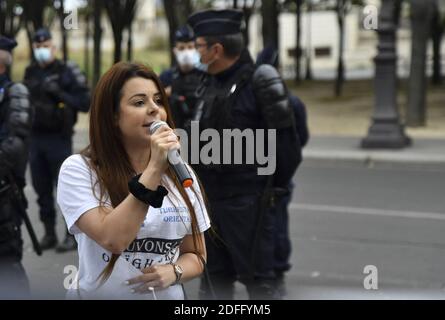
(337, 149)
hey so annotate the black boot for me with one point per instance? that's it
(281, 284)
(49, 240)
(68, 244)
(262, 289)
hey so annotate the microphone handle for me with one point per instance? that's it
(180, 169)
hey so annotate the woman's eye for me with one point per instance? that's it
(158, 101)
(139, 103)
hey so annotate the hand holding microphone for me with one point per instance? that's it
(174, 159)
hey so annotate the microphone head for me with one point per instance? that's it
(156, 125)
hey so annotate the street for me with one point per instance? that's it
(343, 217)
(347, 217)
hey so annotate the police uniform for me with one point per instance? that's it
(58, 91)
(282, 240)
(183, 85)
(243, 97)
(15, 126)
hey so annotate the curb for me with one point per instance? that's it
(367, 158)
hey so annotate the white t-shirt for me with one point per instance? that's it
(157, 241)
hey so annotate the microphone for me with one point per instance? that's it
(174, 159)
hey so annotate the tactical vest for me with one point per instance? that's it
(184, 97)
(3, 108)
(214, 111)
(51, 116)
(10, 236)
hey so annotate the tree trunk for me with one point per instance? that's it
(421, 15)
(9, 22)
(86, 54)
(130, 43)
(117, 47)
(437, 34)
(298, 43)
(120, 14)
(63, 30)
(33, 19)
(437, 56)
(184, 8)
(269, 15)
(97, 40)
(3, 14)
(172, 25)
(29, 37)
(397, 11)
(308, 44)
(341, 13)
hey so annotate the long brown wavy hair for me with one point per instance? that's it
(106, 154)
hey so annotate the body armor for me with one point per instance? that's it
(15, 123)
(184, 97)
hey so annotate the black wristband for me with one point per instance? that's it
(150, 197)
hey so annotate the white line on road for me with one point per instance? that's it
(367, 211)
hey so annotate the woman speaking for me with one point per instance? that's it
(139, 231)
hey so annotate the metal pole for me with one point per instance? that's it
(386, 131)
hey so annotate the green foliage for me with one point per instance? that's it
(202, 4)
(159, 43)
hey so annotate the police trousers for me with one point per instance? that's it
(238, 250)
(283, 246)
(13, 279)
(47, 153)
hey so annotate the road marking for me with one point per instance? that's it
(367, 211)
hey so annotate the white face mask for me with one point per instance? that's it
(42, 55)
(189, 57)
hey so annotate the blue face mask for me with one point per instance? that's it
(202, 66)
(42, 55)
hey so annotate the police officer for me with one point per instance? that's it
(15, 127)
(241, 96)
(283, 248)
(58, 91)
(181, 81)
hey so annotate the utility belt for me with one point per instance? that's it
(5, 188)
(51, 117)
(13, 206)
(10, 221)
(4, 185)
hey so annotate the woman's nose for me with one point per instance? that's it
(152, 109)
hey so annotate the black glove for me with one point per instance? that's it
(53, 89)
